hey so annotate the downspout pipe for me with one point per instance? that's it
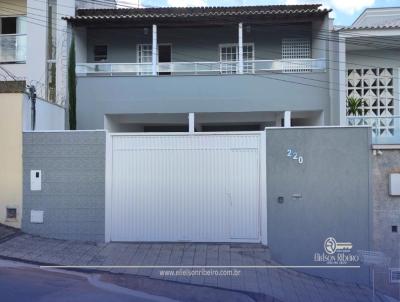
(32, 96)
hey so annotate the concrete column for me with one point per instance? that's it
(287, 117)
(191, 122)
(342, 80)
(240, 48)
(154, 57)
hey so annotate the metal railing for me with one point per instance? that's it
(13, 48)
(385, 129)
(202, 68)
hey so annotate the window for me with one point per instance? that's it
(9, 25)
(292, 51)
(51, 51)
(144, 54)
(230, 53)
(52, 29)
(12, 25)
(51, 81)
(11, 213)
(100, 53)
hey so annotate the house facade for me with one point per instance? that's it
(211, 70)
(208, 69)
(369, 52)
(369, 70)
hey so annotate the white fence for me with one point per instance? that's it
(48, 116)
(197, 68)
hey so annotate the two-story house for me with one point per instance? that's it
(203, 69)
(13, 39)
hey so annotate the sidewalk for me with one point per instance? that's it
(282, 284)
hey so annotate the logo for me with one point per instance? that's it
(336, 253)
(331, 246)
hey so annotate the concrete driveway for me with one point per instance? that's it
(155, 261)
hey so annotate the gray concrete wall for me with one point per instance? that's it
(386, 213)
(97, 96)
(334, 185)
(73, 184)
(199, 44)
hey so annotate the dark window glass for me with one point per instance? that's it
(100, 53)
(9, 25)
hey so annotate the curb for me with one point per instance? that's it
(251, 295)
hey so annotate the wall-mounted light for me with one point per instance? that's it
(146, 31)
(248, 28)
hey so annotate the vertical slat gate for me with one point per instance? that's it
(202, 188)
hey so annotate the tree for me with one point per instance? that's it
(354, 106)
(72, 86)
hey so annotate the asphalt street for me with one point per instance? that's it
(26, 284)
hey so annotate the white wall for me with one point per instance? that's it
(37, 42)
(18, 70)
(37, 45)
(48, 116)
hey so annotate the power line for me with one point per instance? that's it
(275, 78)
(258, 29)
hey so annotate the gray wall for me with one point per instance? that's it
(335, 188)
(199, 44)
(73, 184)
(386, 213)
(97, 96)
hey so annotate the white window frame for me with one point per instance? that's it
(294, 48)
(247, 67)
(138, 52)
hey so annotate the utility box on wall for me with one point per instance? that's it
(36, 216)
(394, 184)
(36, 180)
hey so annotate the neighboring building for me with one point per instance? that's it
(48, 42)
(230, 68)
(13, 39)
(16, 117)
(369, 57)
(369, 69)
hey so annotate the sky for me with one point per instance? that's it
(344, 11)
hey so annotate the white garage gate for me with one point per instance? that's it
(185, 187)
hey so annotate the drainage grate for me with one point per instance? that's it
(395, 275)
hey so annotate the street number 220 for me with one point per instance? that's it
(293, 155)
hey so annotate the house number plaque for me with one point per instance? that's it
(295, 156)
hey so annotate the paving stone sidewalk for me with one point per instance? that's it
(282, 284)
(7, 232)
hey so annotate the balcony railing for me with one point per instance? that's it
(202, 68)
(385, 129)
(13, 48)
